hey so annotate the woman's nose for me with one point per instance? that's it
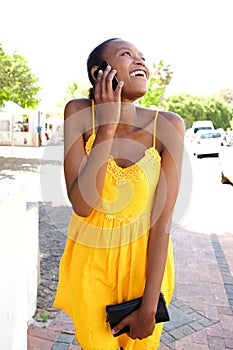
(140, 61)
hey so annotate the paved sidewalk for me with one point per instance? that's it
(58, 335)
(201, 310)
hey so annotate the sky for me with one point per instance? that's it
(56, 37)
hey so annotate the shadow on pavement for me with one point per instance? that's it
(13, 164)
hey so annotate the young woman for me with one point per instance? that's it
(122, 169)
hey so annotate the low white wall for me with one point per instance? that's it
(32, 256)
(18, 265)
(19, 138)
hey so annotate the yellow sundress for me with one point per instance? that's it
(105, 257)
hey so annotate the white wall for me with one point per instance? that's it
(32, 256)
(19, 138)
(18, 265)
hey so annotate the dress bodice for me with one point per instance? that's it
(123, 212)
(128, 192)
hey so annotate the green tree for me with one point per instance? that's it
(74, 90)
(193, 108)
(218, 111)
(17, 82)
(160, 77)
(188, 106)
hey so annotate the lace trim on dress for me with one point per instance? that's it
(136, 171)
(152, 157)
(132, 173)
(89, 143)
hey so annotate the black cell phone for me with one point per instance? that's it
(102, 67)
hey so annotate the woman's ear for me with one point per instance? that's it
(93, 70)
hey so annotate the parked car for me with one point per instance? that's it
(202, 125)
(226, 163)
(207, 142)
(198, 126)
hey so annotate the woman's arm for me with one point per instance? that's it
(84, 174)
(164, 202)
(142, 322)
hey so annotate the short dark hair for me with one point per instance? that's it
(95, 59)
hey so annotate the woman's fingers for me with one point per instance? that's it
(104, 86)
(106, 81)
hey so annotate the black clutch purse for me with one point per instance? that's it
(116, 313)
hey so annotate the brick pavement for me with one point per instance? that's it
(201, 310)
(58, 335)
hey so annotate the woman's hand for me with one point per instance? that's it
(108, 101)
(141, 324)
(103, 88)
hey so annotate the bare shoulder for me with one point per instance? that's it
(164, 119)
(167, 119)
(147, 115)
(77, 116)
(172, 118)
(75, 106)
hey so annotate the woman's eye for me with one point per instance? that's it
(127, 53)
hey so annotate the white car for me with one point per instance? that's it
(206, 143)
(226, 163)
(202, 125)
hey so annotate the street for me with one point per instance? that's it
(210, 208)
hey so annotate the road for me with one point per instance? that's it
(210, 207)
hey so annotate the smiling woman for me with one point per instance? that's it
(122, 168)
(96, 60)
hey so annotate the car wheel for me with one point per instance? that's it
(225, 179)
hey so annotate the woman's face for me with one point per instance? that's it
(130, 66)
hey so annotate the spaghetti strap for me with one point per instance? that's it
(155, 120)
(93, 116)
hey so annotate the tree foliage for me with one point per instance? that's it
(74, 90)
(17, 82)
(160, 77)
(193, 108)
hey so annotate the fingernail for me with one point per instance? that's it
(113, 331)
